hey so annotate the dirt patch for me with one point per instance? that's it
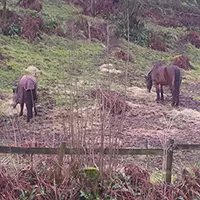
(145, 122)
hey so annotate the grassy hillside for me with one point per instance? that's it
(60, 58)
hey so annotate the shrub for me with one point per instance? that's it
(129, 24)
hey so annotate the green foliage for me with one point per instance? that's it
(92, 173)
(89, 196)
(158, 177)
(129, 26)
(57, 12)
(51, 24)
(14, 29)
(25, 195)
(142, 37)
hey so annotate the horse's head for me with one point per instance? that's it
(149, 83)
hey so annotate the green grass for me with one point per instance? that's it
(56, 57)
(52, 11)
(63, 61)
(194, 56)
(169, 35)
(143, 57)
(59, 59)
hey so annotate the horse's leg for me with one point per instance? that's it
(173, 94)
(161, 90)
(35, 110)
(28, 112)
(157, 92)
(177, 100)
(29, 105)
(34, 101)
(22, 107)
(173, 97)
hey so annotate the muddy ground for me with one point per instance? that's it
(147, 121)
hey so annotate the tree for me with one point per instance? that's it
(130, 12)
(4, 16)
(198, 2)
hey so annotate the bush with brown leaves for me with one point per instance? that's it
(193, 37)
(111, 101)
(32, 27)
(82, 28)
(31, 4)
(183, 62)
(100, 7)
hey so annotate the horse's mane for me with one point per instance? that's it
(158, 64)
(149, 77)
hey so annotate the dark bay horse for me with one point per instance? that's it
(162, 75)
(26, 92)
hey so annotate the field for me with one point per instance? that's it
(68, 72)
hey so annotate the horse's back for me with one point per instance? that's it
(28, 82)
(175, 72)
(158, 74)
(165, 75)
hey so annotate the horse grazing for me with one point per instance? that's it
(162, 75)
(26, 92)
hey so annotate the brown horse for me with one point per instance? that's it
(162, 75)
(26, 92)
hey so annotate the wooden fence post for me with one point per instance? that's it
(147, 155)
(61, 153)
(168, 175)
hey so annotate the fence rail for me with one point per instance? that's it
(80, 151)
(63, 150)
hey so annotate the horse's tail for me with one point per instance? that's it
(30, 103)
(177, 81)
